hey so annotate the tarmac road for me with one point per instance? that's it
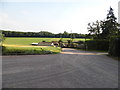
(70, 69)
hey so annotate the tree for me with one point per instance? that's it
(95, 29)
(72, 36)
(110, 25)
(104, 29)
(65, 34)
(2, 38)
(60, 42)
(45, 34)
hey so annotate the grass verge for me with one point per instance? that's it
(7, 50)
(92, 50)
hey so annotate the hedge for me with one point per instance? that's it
(114, 49)
(97, 45)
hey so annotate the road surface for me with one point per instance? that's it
(70, 69)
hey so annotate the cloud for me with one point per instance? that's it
(119, 13)
(8, 23)
(45, 0)
(63, 1)
(78, 21)
(24, 12)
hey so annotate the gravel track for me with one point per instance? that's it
(69, 69)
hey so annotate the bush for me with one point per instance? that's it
(43, 41)
(80, 42)
(81, 46)
(114, 49)
(3, 49)
(97, 45)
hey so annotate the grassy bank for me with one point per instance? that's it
(7, 50)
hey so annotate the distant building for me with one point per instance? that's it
(53, 43)
(44, 43)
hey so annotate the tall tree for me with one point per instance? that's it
(110, 25)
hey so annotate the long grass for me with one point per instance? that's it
(30, 50)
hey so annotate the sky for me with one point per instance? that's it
(119, 12)
(54, 16)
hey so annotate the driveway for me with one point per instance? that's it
(70, 69)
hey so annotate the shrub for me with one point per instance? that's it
(43, 41)
(3, 49)
(80, 42)
(81, 46)
(97, 45)
(114, 49)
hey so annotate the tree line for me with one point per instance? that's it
(44, 34)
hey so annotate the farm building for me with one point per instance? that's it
(45, 43)
(53, 43)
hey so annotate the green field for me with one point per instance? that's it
(22, 46)
(28, 41)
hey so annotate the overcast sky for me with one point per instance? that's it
(55, 16)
